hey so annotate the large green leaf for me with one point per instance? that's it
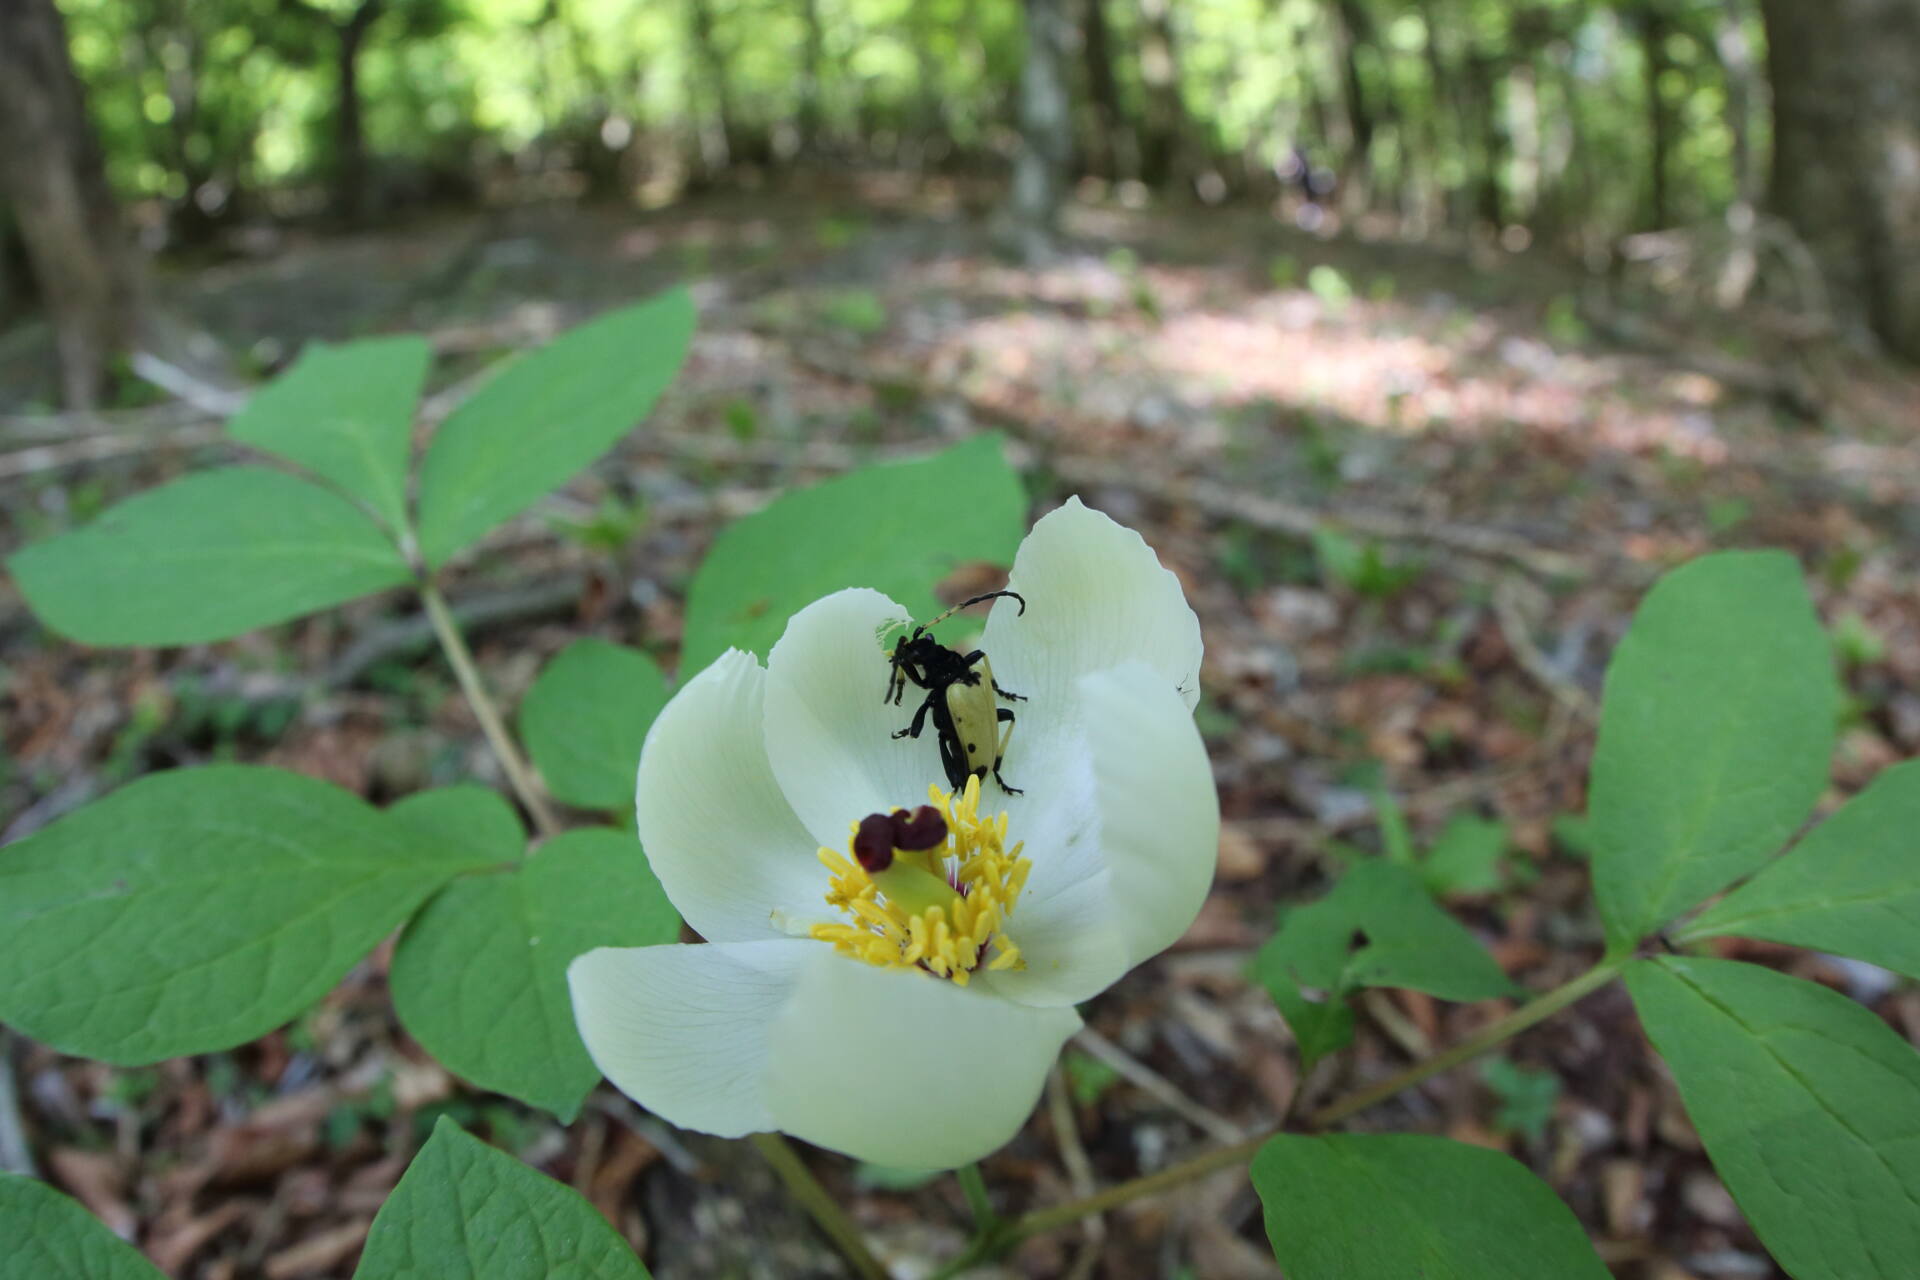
(896, 527)
(586, 717)
(1851, 886)
(480, 976)
(1715, 733)
(195, 910)
(206, 558)
(1397, 1206)
(47, 1236)
(1807, 1103)
(547, 416)
(345, 413)
(464, 1211)
(1377, 928)
(466, 816)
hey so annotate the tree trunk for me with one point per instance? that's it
(1166, 112)
(1352, 30)
(352, 196)
(812, 55)
(1735, 52)
(1103, 89)
(1482, 91)
(51, 172)
(1446, 107)
(707, 52)
(1653, 38)
(1846, 160)
(1041, 171)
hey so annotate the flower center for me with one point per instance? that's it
(930, 889)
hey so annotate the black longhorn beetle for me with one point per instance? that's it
(960, 695)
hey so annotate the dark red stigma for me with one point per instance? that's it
(924, 828)
(873, 842)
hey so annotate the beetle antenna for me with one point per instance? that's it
(991, 595)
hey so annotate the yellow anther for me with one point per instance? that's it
(948, 906)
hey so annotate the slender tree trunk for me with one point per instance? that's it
(352, 193)
(813, 45)
(1744, 91)
(1653, 38)
(1482, 92)
(1846, 161)
(1103, 89)
(1031, 216)
(52, 174)
(1166, 112)
(714, 63)
(1352, 29)
(1446, 107)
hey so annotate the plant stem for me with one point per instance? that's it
(1519, 1020)
(806, 1189)
(1494, 1034)
(974, 1187)
(1031, 1224)
(519, 775)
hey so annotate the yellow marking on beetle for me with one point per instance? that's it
(942, 909)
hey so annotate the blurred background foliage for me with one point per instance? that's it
(1577, 119)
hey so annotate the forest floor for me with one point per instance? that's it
(1413, 493)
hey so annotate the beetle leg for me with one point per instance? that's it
(1010, 697)
(1000, 751)
(953, 760)
(919, 719)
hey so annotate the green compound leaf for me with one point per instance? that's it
(896, 527)
(464, 1211)
(207, 558)
(1395, 1206)
(1852, 886)
(1715, 734)
(1807, 1103)
(467, 817)
(480, 976)
(51, 1237)
(546, 416)
(196, 910)
(345, 413)
(1377, 928)
(586, 717)
(1468, 856)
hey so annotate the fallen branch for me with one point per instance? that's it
(1073, 1154)
(1151, 1082)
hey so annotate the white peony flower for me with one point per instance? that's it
(907, 1014)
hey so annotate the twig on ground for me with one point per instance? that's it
(1509, 611)
(221, 402)
(1151, 1082)
(1066, 1134)
(627, 1115)
(16, 1154)
(1398, 1027)
(17, 463)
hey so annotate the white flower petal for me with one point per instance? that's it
(717, 830)
(900, 1068)
(1073, 945)
(829, 733)
(1159, 811)
(1097, 596)
(683, 1030)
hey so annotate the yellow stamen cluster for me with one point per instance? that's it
(977, 881)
